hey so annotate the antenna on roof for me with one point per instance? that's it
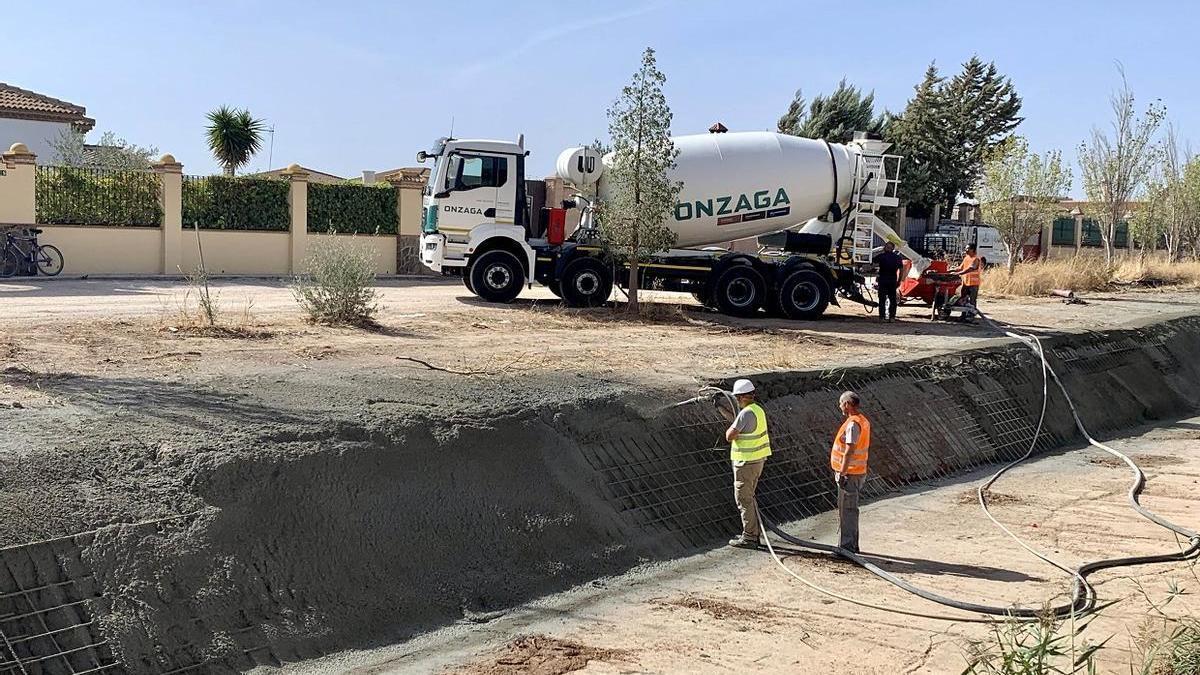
(271, 148)
(451, 137)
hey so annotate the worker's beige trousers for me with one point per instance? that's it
(745, 482)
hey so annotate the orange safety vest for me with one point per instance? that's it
(856, 465)
(970, 278)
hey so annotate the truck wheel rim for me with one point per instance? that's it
(498, 277)
(805, 296)
(587, 283)
(740, 292)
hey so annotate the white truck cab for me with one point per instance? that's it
(476, 192)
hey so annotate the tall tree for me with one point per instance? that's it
(917, 135)
(633, 220)
(1019, 192)
(1115, 166)
(1178, 212)
(233, 137)
(1190, 197)
(982, 109)
(948, 128)
(833, 118)
(1148, 222)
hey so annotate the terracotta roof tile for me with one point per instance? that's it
(24, 104)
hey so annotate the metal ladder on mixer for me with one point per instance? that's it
(876, 181)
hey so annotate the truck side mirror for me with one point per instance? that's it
(441, 195)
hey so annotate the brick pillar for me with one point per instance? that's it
(1047, 242)
(17, 175)
(298, 205)
(408, 184)
(170, 196)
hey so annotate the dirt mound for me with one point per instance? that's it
(540, 655)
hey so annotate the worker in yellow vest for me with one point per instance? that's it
(749, 447)
(971, 272)
(848, 459)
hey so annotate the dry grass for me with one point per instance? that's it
(1087, 274)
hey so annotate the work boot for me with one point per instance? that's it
(742, 541)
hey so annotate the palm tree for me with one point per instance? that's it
(233, 136)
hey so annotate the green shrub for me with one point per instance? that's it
(352, 209)
(236, 203)
(339, 288)
(87, 196)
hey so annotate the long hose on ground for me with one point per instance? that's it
(1083, 596)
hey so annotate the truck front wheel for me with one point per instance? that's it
(804, 295)
(586, 283)
(497, 276)
(739, 291)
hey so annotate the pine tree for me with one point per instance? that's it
(948, 128)
(917, 134)
(981, 112)
(633, 220)
(833, 118)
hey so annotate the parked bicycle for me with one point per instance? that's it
(46, 258)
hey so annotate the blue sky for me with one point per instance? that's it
(364, 85)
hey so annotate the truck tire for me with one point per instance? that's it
(555, 288)
(586, 283)
(702, 297)
(466, 277)
(497, 276)
(804, 294)
(739, 291)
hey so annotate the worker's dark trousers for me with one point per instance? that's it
(848, 489)
(971, 293)
(887, 302)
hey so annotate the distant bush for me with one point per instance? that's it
(236, 203)
(348, 208)
(339, 287)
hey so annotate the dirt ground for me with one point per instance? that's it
(118, 409)
(103, 327)
(735, 611)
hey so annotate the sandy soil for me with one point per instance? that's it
(736, 611)
(103, 327)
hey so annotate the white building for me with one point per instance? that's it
(36, 120)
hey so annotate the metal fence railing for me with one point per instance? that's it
(68, 195)
(236, 203)
(352, 209)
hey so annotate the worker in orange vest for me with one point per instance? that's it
(848, 459)
(971, 271)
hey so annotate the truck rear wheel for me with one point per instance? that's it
(739, 291)
(804, 295)
(466, 277)
(497, 276)
(586, 283)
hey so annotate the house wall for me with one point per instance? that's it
(34, 134)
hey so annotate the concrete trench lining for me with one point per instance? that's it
(384, 532)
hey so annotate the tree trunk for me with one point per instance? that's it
(228, 169)
(633, 285)
(1012, 257)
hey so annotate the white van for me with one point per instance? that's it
(986, 239)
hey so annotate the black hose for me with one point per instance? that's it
(1083, 596)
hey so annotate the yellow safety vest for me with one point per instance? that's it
(857, 464)
(755, 445)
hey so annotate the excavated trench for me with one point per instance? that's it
(362, 532)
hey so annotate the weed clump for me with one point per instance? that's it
(339, 288)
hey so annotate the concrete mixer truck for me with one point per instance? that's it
(816, 201)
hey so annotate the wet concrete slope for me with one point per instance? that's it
(365, 531)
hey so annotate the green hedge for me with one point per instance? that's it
(352, 209)
(236, 203)
(84, 196)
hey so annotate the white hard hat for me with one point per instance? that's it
(743, 387)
